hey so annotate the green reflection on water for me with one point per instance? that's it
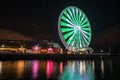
(78, 70)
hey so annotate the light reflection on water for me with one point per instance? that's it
(0, 67)
(49, 69)
(19, 68)
(56, 70)
(35, 69)
(78, 70)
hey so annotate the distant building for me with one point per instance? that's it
(18, 46)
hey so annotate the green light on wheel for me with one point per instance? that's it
(74, 28)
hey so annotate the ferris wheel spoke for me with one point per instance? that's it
(84, 42)
(65, 24)
(82, 19)
(73, 13)
(68, 34)
(68, 42)
(81, 41)
(86, 25)
(79, 17)
(85, 39)
(77, 41)
(70, 22)
(86, 29)
(76, 14)
(69, 17)
(85, 34)
(86, 20)
(73, 43)
(66, 29)
(71, 39)
(72, 18)
(65, 19)
(79, 37)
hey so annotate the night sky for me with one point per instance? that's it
(39, 19)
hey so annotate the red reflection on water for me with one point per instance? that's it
(49, 70)
(35, 69)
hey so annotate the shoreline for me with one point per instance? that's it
(59, 57)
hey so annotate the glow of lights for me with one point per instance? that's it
(0, 67)
(20, 68)
(50, 50)
(61, 67)
(102, 66)
(3, 46)
(12, 49)
(22, 49)
(74, 28)
(43, 50)
(49, 69)
(75, 74)
(35, 69)
(36, 48)
(93, 67)
(81, 67)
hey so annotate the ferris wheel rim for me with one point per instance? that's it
(59, 26)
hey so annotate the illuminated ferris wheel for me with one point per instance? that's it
(74, 28)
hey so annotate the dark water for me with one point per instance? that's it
(60, 70)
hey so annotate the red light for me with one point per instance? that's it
(50, 50)
(36, 48)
